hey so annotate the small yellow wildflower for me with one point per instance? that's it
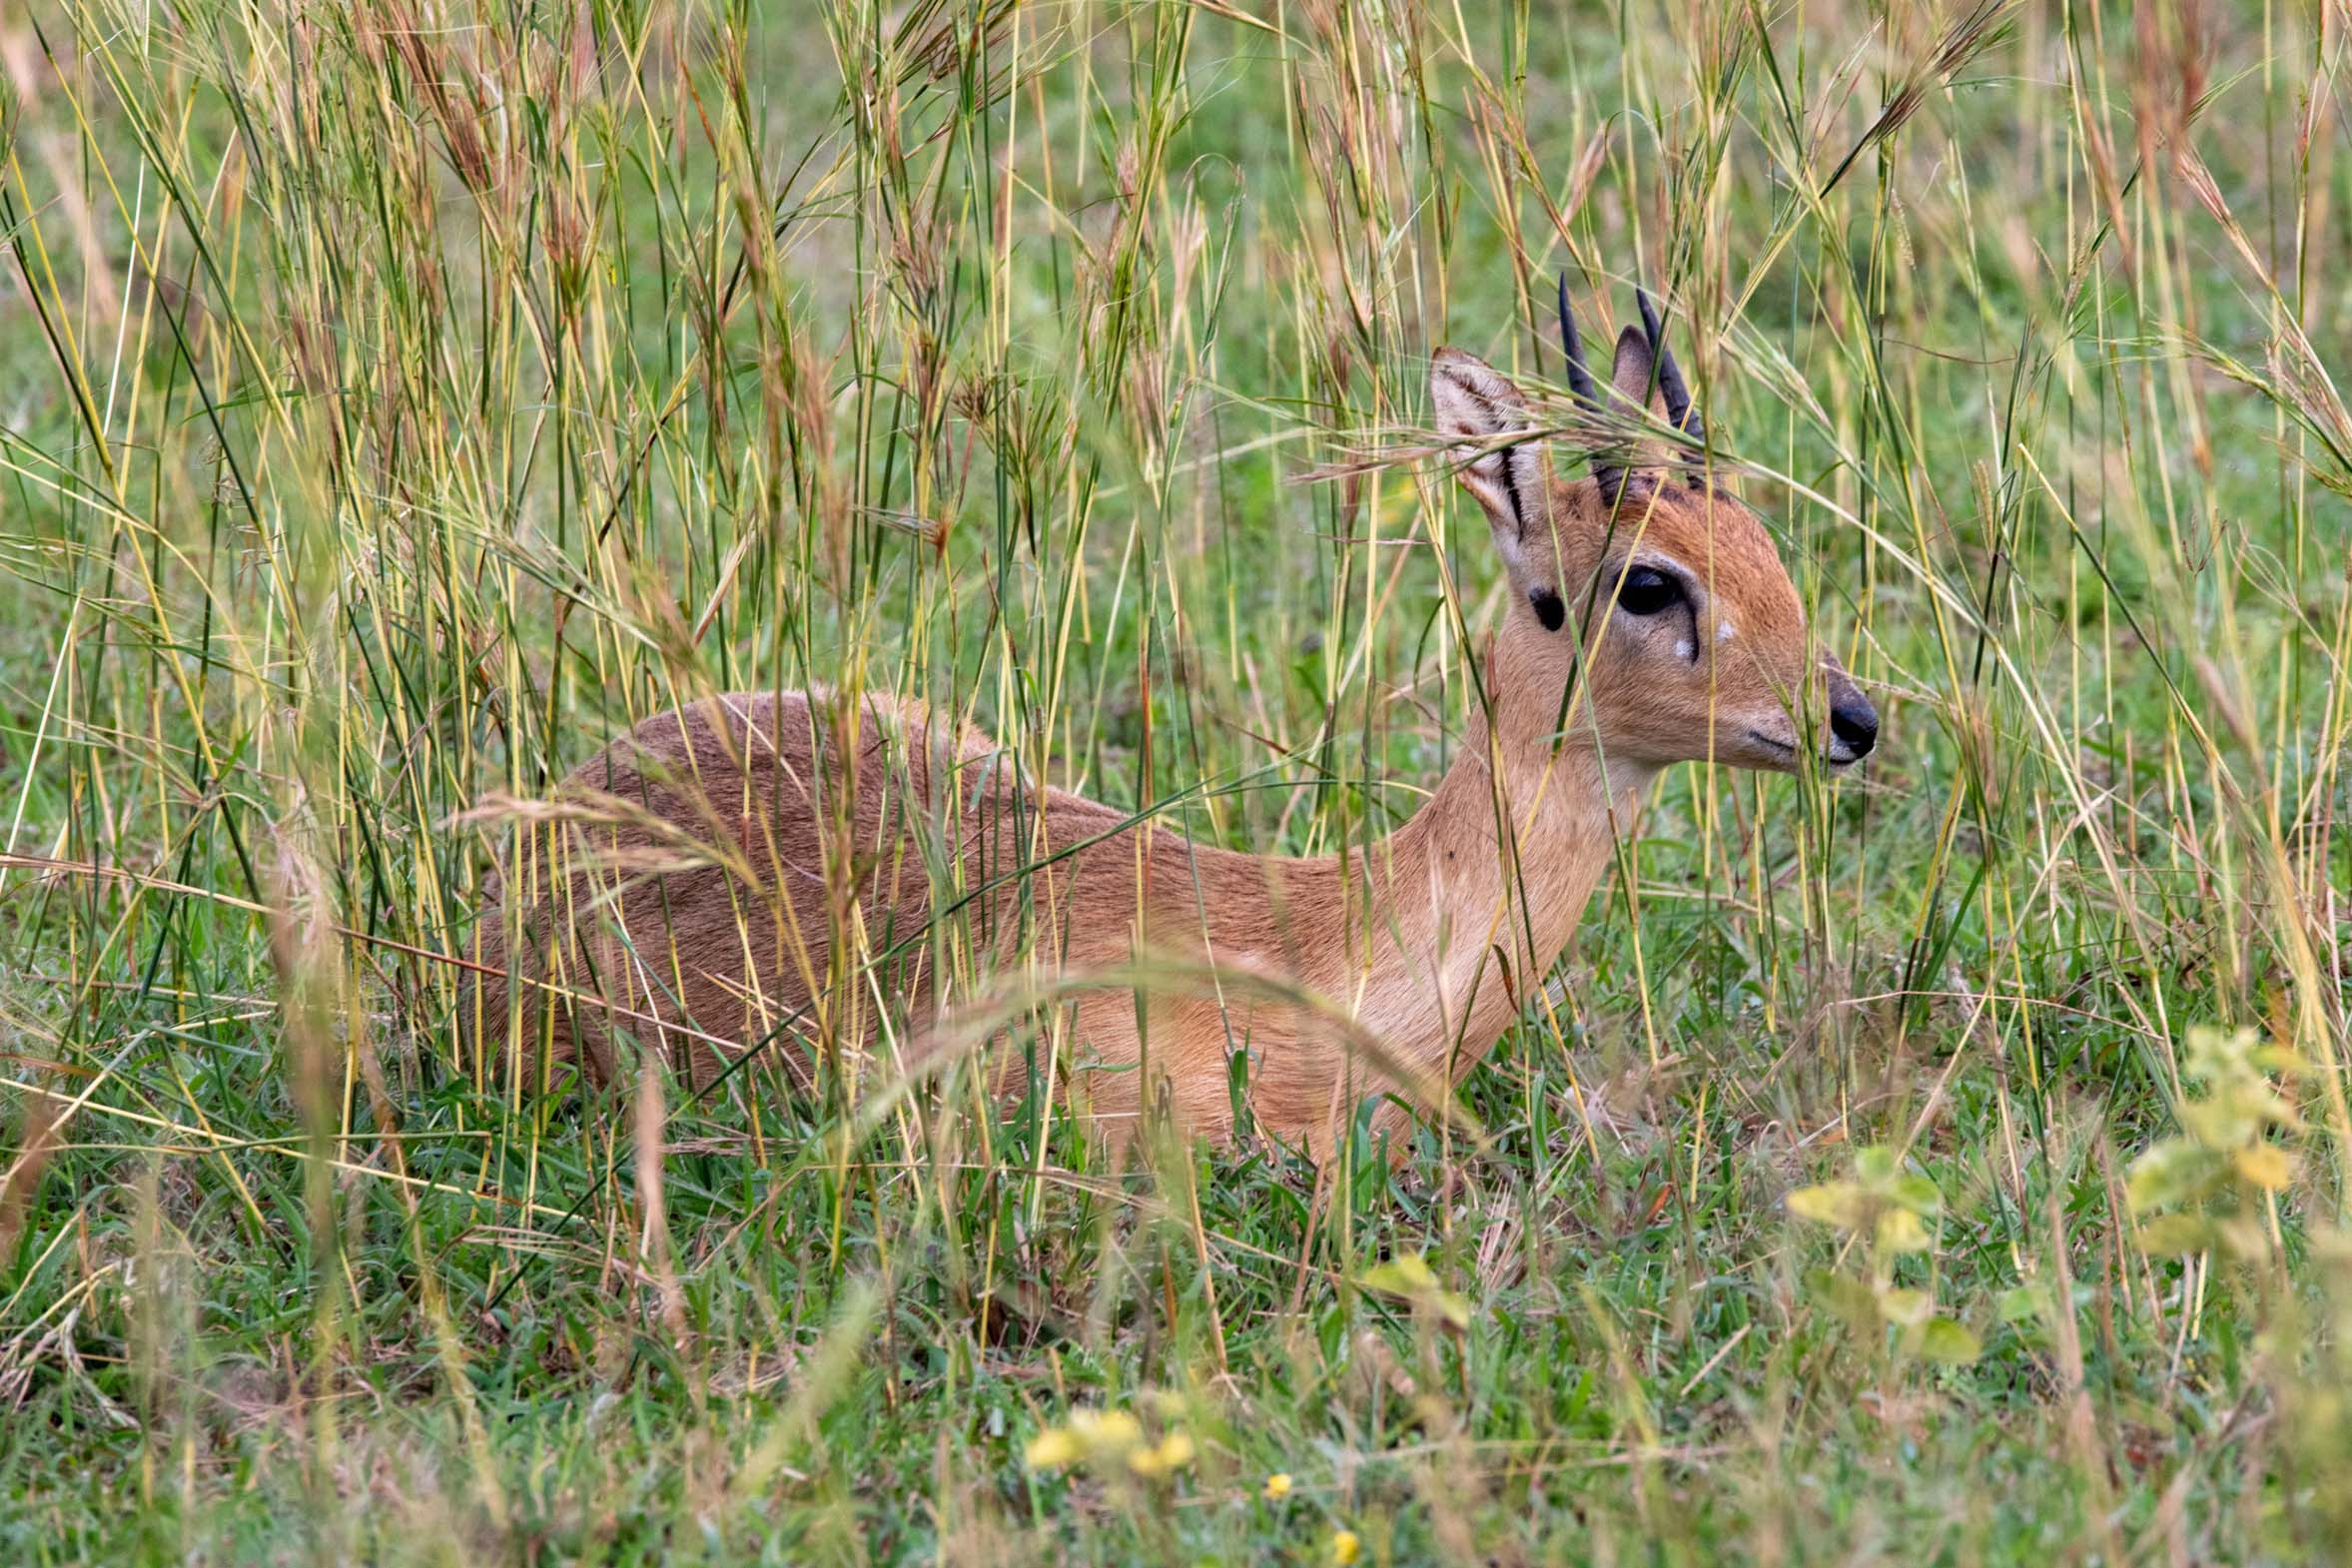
(1172, 1453)
(1345, 1548)
(1105, 1431)
(1052, 1449)
(1277, 1486)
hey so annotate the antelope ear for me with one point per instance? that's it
(1476, 407)
(1633, 381)
(1632, 374)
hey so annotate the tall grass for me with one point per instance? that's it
(399, 399)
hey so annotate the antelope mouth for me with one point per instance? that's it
(1837, 756)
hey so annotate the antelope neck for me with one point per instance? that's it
(1475, 897)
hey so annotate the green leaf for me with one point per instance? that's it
(1839, 1204)
(1906, 1308)
(2172, 1171)
(1410, 1277)
(2242, 1235)
(2213, 1054)
(2225, 1121)
(2168, 1236)
(1941, 1339)
(1401, 1276)
(2278, 1058)
(1856, 1304)
(1917, 1194)
(1450, 1305)
(2023, 1303)
(1900, 1230)
(1876, 1165)
(2268, 1166)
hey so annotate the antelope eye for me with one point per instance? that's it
(1646, 591)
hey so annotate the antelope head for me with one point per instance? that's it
(1643, 587)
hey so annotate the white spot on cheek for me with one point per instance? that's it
(1724, 632)
(1684, 649)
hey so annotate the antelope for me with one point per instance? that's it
(741, 837)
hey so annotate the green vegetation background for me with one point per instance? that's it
(398, 399)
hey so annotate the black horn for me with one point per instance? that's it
(1679, 410)
(1580, 383)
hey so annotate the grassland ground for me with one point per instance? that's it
(1940, 1164)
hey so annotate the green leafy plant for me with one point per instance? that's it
(1891, 1212)
(1409, 1277)
(2210, 1186)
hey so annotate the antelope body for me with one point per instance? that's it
(731, 841)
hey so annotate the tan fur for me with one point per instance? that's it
(714, 851)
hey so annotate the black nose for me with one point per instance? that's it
(1854, 721)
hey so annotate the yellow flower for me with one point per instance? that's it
(1107, 1437)
(1345, 1548)
(1051, 1448)
(1277, 1486)
(1172, 1453)
(1105, 1431)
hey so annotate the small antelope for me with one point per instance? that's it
(731, 844)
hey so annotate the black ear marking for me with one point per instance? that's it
(1511, 490)
(1505, 456)
(1548, 608)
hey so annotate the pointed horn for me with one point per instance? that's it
(1679, 411)
(1580, 382)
